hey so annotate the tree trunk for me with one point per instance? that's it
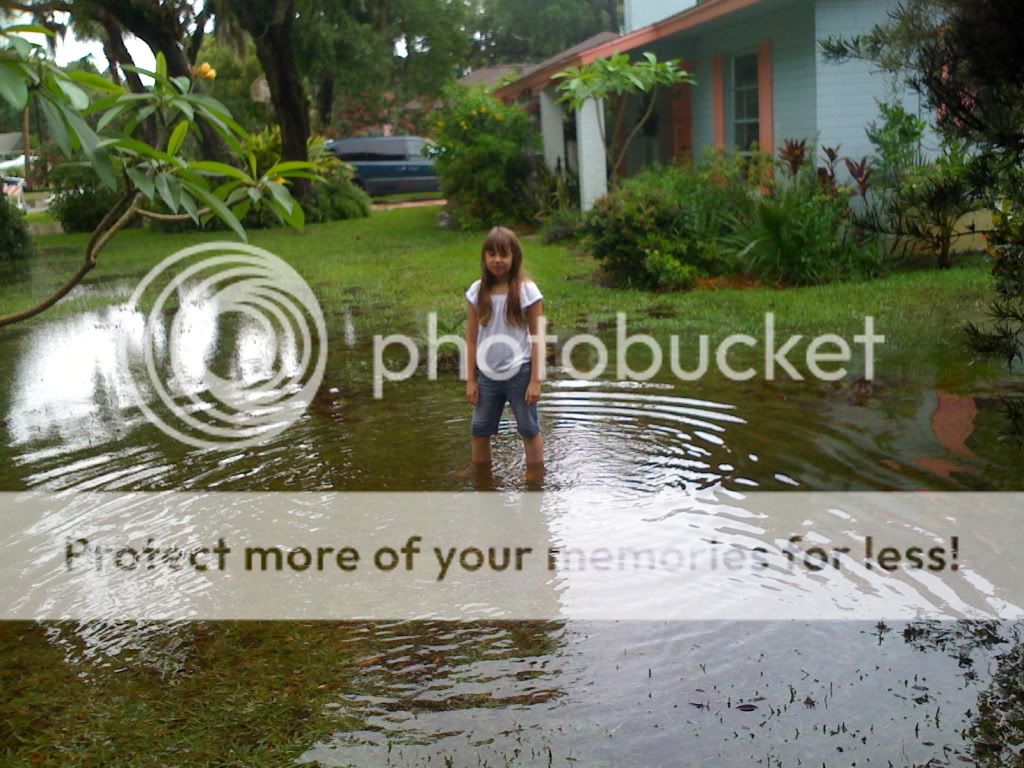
(325, 101)
(269, 23)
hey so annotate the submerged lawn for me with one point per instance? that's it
(258, 695)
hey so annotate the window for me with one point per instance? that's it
(745, 124)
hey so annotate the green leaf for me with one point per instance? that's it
(282, 169)
(161, 66)
(58, 128)
(189, 205)
(110, 114)
(222, 211)
(78, 98)
(164, 188)
(177, 137)
(143, 181)
(241, 209)
(136, 147)
(12, 85)
(185, 108)
(182, 82)
(36, 29)
(96, 82)
(214, 168)
(281, 195)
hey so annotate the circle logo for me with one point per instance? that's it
(260, 301)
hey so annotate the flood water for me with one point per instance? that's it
(571, 692)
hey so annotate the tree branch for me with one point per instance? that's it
(646, 116)
(169, 216)
(100, 237)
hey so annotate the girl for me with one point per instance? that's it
(504, 341)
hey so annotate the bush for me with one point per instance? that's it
(677, 211)
(560, 225)
(15, 238)
(485, 155)
(798, 235)
(81, 201)
(334, 198)
(668, 274)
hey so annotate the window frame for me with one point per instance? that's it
(734, 121)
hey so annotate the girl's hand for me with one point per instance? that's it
(472, 393)
(533, 393)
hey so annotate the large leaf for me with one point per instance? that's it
(78, 98)
(12, 85)
(58, 128)
(281, 195)
(163, 186)
(143, 181)
(214, 168)
(96, 82)
(177, 137)
(219, 209)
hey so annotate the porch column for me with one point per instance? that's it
(552, 134)
(590, 153)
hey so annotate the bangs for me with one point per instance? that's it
(500, 240)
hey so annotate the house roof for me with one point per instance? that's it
(492, 75)
(579, 55)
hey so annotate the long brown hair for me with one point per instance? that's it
(502, 240)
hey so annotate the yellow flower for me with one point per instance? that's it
(211, 74)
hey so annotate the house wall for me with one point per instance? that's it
(791, 29)
(848, 93)
(640, 13)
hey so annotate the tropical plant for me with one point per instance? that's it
(15, 239)
(486, 158)
(150, 173)
(612, 81)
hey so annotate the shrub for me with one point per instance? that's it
(560, 225)
(15, 238)
(677, 211)
(485, 155)
(667, 273)
(81, 201)
(897, 142)
(798, 235)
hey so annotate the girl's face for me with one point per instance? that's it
(498, 264)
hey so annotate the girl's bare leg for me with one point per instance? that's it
(481, 450)
(534, 447)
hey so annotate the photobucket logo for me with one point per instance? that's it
(825, 357)
(199, 296)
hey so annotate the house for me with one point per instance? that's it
(760, 77)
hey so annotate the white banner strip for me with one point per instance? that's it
(542, 556)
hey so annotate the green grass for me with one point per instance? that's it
(405, 196)
(397, 266)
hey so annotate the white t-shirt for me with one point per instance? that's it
(503, 348)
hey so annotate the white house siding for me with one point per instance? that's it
(848, 93)
(640, 13)
(790, 27)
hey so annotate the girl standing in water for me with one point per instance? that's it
(504, 347)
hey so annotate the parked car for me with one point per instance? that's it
(387, 165)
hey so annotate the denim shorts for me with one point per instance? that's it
(491, 404)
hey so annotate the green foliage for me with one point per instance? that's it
(514, 31)
(81, 200)
(612, 80)
(485, 154)
(897, 142)
(679, 212)
(667, 273)
(923, 208)
(798, 235)
(560, 225)
(15, 238)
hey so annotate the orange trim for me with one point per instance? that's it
(718, 99)
(691, 17)
(765, 98)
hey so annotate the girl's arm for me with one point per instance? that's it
(534, 316)
(472, 331)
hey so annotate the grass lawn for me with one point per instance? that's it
(398, 265)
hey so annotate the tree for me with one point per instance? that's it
(514, 31)
(147, 173)
(613, 81)
(966, 58)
